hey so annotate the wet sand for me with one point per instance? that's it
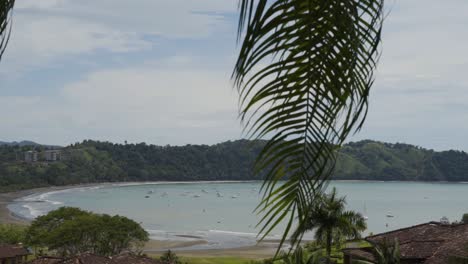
(260, 251)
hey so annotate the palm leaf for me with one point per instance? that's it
(303, 73)
(6, 7)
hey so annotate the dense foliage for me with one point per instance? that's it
(331, 222)
(70, 231)
(12, 234)
(170, 257)
(464, 219)
(92, 161)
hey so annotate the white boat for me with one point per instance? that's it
(196, 196)
(365, 212)
(150, 192)
(204, 191)
(234, 197)
(219, 194)
(389, 214)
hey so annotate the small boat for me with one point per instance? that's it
(196, 196)
(389, 214)
(204, 191)
(234, 197)
(219, 194)
(147, 196)
(365, 212)
(150, 192)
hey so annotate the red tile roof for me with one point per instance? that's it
(11, 251)
(429, 243)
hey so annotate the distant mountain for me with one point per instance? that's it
(94, 161)
(372, 160)
(24, 143)
(21, 143)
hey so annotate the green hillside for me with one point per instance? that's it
(92, 161)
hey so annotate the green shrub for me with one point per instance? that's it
(465, 219)
(12, 234)
(170, 258)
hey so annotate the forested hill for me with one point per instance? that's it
(92, 161)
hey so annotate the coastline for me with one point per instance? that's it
(191, 248)
(261, 250)
(9, 217)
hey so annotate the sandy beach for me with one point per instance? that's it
(261, 250)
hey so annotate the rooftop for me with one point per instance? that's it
(428, 243)
(10, 251)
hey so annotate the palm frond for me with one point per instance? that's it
(6, 7)
(303, 74)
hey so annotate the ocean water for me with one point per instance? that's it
(223, 213)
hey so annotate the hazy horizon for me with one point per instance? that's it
(220, 142)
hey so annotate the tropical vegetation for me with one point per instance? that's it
(94, 162)
(12, 234)
(304, 72)
(331, 222)
(464, 219)
(385, 252)
(6, 7)
(70, 231)
(170, 257)
(302, 256)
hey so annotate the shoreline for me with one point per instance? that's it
(260, 250)
(9, 217)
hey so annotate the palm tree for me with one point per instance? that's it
(6, 7)
(330, 221)
(384, 253)
(301, 256)
(304, 73)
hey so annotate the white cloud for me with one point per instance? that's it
(48, 30)
(158, 105)
(421, 91)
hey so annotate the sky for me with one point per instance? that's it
(158, 71)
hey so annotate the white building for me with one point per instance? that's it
(30, 156)
(52, 155)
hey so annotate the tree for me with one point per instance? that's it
(301, 256)
(304, 73)
(170, 258)
(6, 7)
(465, 219)
(12, 234)
(384, 252)
(331, 222)
(70, 231)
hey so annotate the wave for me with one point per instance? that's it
(33, 211)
